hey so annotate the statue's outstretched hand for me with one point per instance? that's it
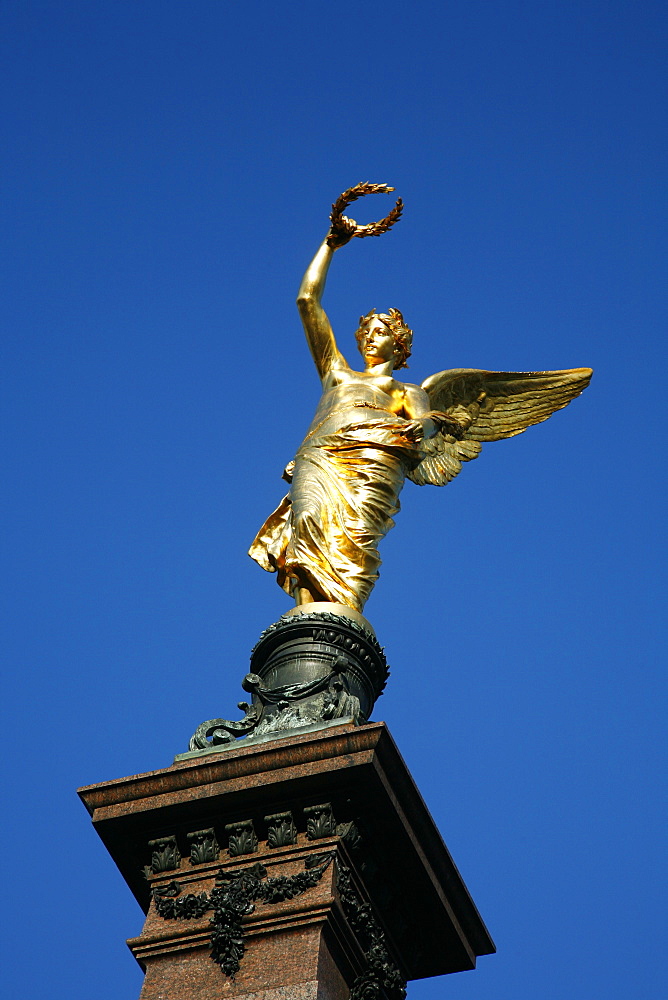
(414, 431)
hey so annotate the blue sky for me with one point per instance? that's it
(168, 170)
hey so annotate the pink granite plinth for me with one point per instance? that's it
(348, 797)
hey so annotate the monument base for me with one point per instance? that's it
(304, 868)
(317, 663)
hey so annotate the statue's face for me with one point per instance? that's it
(378, 344)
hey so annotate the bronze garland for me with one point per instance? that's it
(382, 979)
(233, 898)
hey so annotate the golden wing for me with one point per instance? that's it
(488, 406)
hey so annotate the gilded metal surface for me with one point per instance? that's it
(371, 431)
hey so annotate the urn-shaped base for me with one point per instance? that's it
(308, 668)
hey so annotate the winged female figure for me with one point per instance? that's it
(371, 431)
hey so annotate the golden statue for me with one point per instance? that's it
(370, 431)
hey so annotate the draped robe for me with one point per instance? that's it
(347, 477)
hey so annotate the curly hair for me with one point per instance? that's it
(394, 321)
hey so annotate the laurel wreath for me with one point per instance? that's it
(344, 228)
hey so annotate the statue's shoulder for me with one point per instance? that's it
(412, 390)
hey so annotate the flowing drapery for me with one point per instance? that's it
(345, 489)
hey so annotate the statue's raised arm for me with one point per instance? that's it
(318, 329)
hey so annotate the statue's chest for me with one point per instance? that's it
(383, 383)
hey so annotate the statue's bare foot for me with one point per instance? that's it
(303, 595)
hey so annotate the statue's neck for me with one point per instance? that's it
(383, 368)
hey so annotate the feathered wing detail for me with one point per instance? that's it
(488, 406)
